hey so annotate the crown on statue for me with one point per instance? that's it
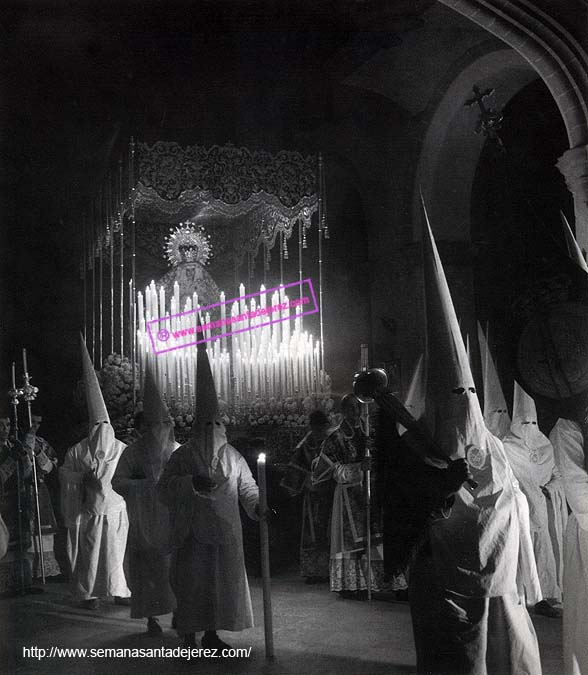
(188, 243)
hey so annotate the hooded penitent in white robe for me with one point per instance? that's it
(95, 517)
(208, 569)
(137, 474)
(468, 617)
(531, 457)
(570, 457)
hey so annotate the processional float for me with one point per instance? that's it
(243, 204)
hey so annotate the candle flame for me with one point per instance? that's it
(261, 457)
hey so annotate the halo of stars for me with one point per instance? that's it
(188, 234)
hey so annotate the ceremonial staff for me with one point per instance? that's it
(29, 393)
(365, 427)
(15, 446)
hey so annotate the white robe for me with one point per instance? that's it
(533, 463)
(568, 443)
(465, 598)
(96, 521)
(208, 569)
(149, 549)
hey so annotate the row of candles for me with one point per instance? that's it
(278, 360)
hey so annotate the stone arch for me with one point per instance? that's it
(446, 169)
(450, 150)
(562, 63)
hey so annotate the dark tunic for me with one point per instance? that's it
(411, 493)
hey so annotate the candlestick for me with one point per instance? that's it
(265, 561)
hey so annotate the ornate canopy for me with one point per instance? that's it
(246, 196)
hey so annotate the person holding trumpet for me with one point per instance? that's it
(457, 506)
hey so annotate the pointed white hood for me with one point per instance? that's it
(454, 414)
(208, 430)
(529, 451)
(100, 432)
(574, 250)
(97, 411)
(414, 401)
(524, 420)
(157, 441)
(495, 409)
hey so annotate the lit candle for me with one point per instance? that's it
(181, 372)
(131, 307)
(217, 367)
(154, 308)
(141, 308)
(207, 331)
(223, 314)
(161, 301)
(265, 559)
(173, 311)
(177, 294)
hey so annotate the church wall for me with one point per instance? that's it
(396, 145)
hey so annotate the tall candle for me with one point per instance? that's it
(265, 559)
(24, 361)
(177, 294)
(141, 308)
(173, 311)
(161, 301)
(223, 315)
(154, 307)
(13, 376)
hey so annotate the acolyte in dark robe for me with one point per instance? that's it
(410, 492)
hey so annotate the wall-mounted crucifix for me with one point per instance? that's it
(489, 119)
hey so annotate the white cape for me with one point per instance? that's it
(208, 569)
(568, 444)
(96, 521)
(149, 550)
(479, 548)
(533, 463)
